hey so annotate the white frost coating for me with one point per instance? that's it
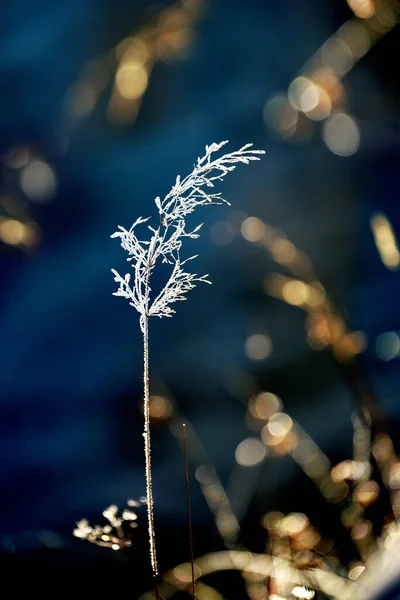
(166, 241)
(165, 244)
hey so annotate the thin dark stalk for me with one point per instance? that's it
(189, 509)
(156, 594)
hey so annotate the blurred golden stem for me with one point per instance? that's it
(147, 451)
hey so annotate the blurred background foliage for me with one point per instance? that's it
(102, 105)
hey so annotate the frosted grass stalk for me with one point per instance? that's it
(187, 194)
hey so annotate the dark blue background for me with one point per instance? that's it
(70, 379)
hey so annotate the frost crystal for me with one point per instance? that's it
(166, 240)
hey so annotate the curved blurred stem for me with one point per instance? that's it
(147, 450)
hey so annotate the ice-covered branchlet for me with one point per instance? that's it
(196, 189)
(164, 245)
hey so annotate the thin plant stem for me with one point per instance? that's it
(147, 451)
(189, 509)
(164, 246)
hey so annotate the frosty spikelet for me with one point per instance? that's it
(185, 196)
(196, 189)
